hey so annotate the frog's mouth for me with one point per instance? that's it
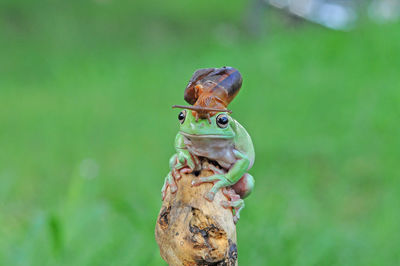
(207, 136)
(201, 108)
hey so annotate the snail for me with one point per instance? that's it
(210, 90)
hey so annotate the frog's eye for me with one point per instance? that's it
(222, 120)
(182, 116)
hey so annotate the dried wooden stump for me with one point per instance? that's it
(193, 231)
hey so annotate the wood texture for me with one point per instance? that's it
(193, 231)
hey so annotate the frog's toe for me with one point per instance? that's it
(215, 169)
(195, 183)
(174, 188)
(198, 181)
(169, 182)
(207, 179)
(225, 204)
(210, 196)
(163, 194)
(236, 218)
(186, 170)
(176, 174)
(164, 190)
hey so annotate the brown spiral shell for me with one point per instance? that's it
(213, 87)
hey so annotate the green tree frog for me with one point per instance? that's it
(220, 139)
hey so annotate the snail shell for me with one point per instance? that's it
(213, 88)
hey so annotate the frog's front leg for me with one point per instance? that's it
(181, 162)
(224, 180)
(185, 163)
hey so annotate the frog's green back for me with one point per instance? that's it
(243, 142)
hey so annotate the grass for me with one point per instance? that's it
(87, 130)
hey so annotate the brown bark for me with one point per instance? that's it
(193, 231)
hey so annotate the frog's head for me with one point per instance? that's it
(217, 126)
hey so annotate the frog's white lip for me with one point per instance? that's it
(215, 136)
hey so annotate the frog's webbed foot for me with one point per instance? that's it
(176, 174)
(237, 206)
(186, 163)
(217, 172)
(185, 170)
(235, 202)
(169, 182)
(219, 181)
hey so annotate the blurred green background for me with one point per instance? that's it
(86, 130)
